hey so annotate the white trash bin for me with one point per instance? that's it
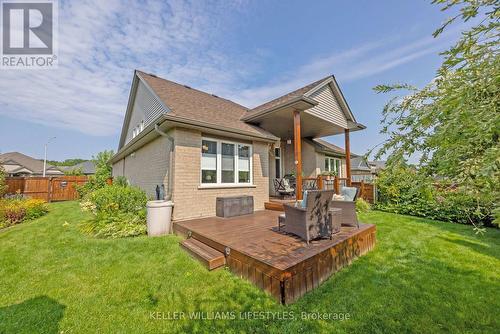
(159, 217)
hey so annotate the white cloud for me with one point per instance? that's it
(101, 42)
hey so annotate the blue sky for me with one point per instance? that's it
(247, 51)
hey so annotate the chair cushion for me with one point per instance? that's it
(304, 199)
(302, 203)
(286, 185)
(338, 197)
(349, 193)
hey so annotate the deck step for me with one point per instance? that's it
(209, 257)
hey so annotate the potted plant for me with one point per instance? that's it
(329, 175)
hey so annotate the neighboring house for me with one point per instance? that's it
(361, 170)
(200, 146)
(85, 168)
(18, 164)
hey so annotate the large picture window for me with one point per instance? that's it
(224, 162)
(333, 165)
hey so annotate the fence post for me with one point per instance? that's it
(48, 189)
(336, 184)
(320, 182)
(361, 189)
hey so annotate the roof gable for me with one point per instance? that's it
(187, 104)
(285, 98)
(143, 107)
(310, 91)
(328, 108)
(340, 101)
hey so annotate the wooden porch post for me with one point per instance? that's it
(347, 157)
(297, 154)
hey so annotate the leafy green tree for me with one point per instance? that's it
(67, 162)
(454, 121)
(74, 172)
(102, 173)
(3, 186)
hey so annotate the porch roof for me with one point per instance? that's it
(276, 116)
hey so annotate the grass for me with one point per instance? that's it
(422, 277)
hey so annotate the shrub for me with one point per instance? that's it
(102, 174)
(404, 190)
(15, 211)
(118, 211)
(74, 171)
(35, 208)
(120, 181)
(114, 199)
(119, 225)
(362, 205)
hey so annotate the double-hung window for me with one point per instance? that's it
(225, 162)
(333, 165)
(208, 161)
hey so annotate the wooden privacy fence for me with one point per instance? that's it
(367, 191)
(59, 188)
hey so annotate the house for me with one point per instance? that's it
(361, 170)
(377, 166)
(18, 164)
(83, 168)
(200, 146)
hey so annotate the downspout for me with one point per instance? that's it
(168, 195)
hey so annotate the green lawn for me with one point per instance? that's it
(423, 277)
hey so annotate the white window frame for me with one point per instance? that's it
(219, 183)
(137, 129)
(333, 159)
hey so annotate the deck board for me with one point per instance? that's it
(266, 256)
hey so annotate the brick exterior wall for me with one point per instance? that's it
(190, 201)
(147, 166)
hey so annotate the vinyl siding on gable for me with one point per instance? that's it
(328, 107)
(146, 108)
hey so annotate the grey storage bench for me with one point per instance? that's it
(232, 206)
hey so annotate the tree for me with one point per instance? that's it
(74, 171)
(102, 173)
(3, 186)
(454, 121)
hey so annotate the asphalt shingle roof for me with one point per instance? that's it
(34, 165)
(193, 104)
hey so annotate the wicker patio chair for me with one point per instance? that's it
(312, 220)
(348, 206)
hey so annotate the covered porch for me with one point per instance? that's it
(298, 119)
(283, 265)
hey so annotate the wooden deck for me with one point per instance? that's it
(281, 264)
